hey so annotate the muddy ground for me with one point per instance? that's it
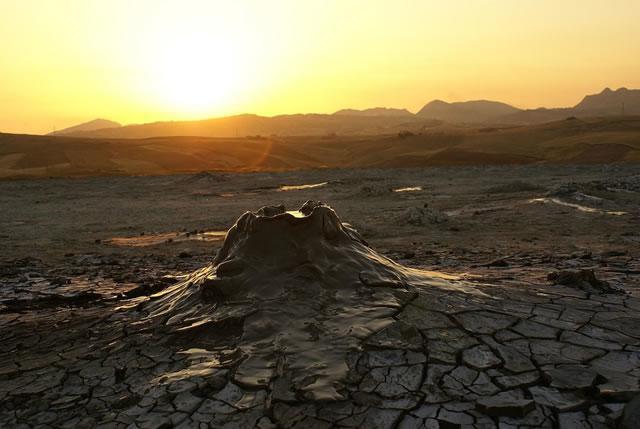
(76, 253)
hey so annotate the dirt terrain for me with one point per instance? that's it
(104, 319)
(570, 141)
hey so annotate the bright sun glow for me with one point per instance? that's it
(193, 72)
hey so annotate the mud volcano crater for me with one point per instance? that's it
(305, 289)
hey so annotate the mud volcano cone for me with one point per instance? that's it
(305, 289)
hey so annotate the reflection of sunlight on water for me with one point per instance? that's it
(167, 237)
(299, 187)
(579, 207)
(409, 189)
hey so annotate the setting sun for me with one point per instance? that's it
(193, 72)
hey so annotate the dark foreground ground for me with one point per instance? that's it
(79, 255)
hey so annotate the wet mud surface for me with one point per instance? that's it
(444, 309)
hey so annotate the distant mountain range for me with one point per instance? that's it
(379, 120)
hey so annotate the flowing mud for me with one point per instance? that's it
(308, 289)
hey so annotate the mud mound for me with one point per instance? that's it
(305, 288)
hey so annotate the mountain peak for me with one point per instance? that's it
(437, 102)
(475, 111)
(609, 102)
(96, 124)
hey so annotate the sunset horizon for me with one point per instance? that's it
(413, 111)
(72, 61)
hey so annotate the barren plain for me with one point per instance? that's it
(107, 319)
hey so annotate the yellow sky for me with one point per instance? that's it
(67, 61)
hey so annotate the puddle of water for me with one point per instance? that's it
(300, 187)
(409, 189)
(579, 207)
(167, 237)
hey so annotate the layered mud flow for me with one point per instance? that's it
(298, 322)
(307, 290)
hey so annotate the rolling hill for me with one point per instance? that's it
(375, 112)
(477, 111)
(251, 125)
(600, 140)
(96, 124)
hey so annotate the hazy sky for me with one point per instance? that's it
(68, 61)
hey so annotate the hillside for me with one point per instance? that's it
(376, 112)
(606, 103)
(96, 124)
(251, 125)
(610, 102)
(536, 116)
(568, 141)
(474, 112)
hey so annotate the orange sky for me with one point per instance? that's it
(68, 61)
